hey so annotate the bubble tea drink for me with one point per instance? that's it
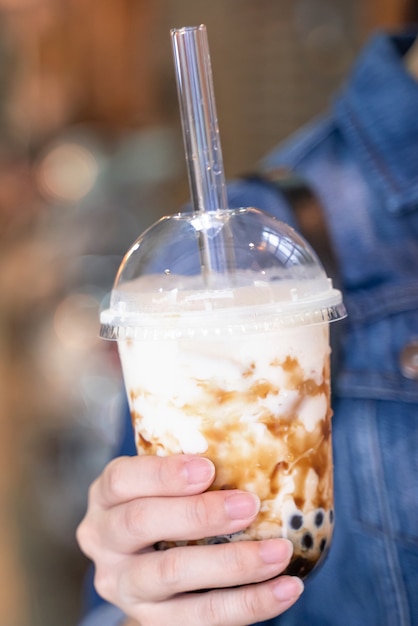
(222, 321)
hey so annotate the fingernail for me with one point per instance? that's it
(199, 470)
(288, 588)
(276, 550)
(241, 505)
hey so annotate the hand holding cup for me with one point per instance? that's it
(139, 501)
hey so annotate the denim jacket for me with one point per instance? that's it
(362, 161)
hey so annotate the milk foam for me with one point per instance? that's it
(163, 376)
(159, 307)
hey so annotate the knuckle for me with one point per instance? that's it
(113, 478)
(81, 534)
(234, 557)
(169, 569)
(92, 493)
(84, 537)
(219, 610)
(250, 603)
(164, 472)
(133, 518)
(198, 511)
(212, 611)
(104, 583)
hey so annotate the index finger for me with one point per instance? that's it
(127, 478)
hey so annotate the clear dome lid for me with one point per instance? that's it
(214, 270)
(224, 271)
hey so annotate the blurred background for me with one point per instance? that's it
(90, 155)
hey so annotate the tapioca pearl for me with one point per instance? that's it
(307, 541)
(322, 545)
(233, 536)
(296, 521)
(331, 516)
(319, 518)
(215, 540)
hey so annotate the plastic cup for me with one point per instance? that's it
(237, 373)
(222, 322)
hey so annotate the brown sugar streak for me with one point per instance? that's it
(244, 457)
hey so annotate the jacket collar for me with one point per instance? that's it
(378, 114)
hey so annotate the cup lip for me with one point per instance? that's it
(268, 317)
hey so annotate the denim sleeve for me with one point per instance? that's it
(258, 194)
(104, 615)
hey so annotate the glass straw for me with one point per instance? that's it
(199, 119)
(203, 152)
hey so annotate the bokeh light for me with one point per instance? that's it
(76, 321)
(67, 172)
